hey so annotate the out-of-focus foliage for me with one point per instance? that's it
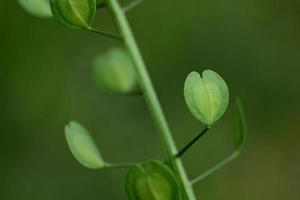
(114, 72)
(38, 8)
(45, 81)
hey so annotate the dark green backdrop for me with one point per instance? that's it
(45, 82)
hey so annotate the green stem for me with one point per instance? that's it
(132, 5)
(119, 165)
(110, 35)
(151, 98)
(215, 168)
(190, 144)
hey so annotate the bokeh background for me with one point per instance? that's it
(45, 81)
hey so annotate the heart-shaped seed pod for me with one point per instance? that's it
(207, 97)
(74, 13)
(83, 146)
(152, 180)
(38, 8)
(114, 72)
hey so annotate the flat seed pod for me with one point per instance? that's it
(114, 72)
(83, 146)
(74, 13)
(152, 181)
(207, 97)
(241, 127)
(38, 8)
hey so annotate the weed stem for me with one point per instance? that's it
(182, 151)
(151, 98)
(215, 168)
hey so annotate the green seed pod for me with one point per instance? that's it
(114, 72)
(38, 8)
(152, 180)
(241, 127)
(74, 13)
(83, 146)
(207, 97)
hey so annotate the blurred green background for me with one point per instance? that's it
(45, 81)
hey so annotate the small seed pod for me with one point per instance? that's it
(241, 126)
(152, 180)
(83, 146)
(114, 72)
(38, 8)
(207, 97)
(74, 13)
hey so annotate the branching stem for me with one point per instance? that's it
(151, 98)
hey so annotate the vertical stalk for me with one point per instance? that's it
(151, 98)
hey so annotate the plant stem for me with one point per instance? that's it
(119, 165)
(110, 35)
(182, 151)
(215, 168)
(132, 5)
(151, 98)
